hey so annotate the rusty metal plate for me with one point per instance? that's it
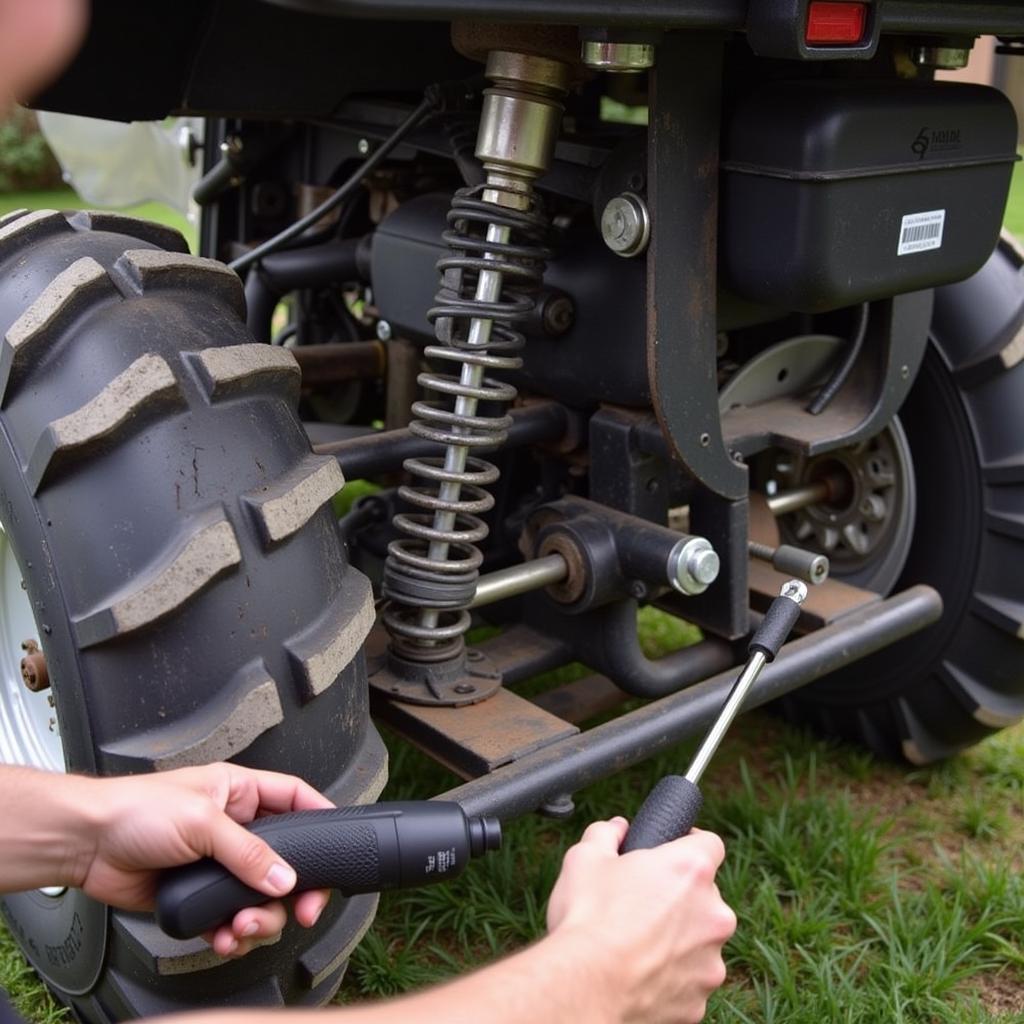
(825, 603)
(476, 739)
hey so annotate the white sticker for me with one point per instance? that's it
(921, 231)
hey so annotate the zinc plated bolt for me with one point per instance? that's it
(626, 225)
(693, 565)
(383, 330)
(363, 147)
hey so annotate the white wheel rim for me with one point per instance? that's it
(29, 733)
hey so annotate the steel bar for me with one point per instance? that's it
(519, 579)
(337, 362)
(799, 497)
(384, 452)
(571, 764)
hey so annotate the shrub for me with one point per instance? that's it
(25, 159)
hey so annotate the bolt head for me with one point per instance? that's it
(794, 590)
(704, 566)
(626, 224)
(363, 147)
(383, 330)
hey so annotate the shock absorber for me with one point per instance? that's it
(496, 236)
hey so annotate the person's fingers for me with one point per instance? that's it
(605, 836)
(248, 857)
(255, 791)
(260, 922)
(310, 905)
(37, 37)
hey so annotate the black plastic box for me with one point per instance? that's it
(837, 192)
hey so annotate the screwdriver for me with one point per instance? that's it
(672, 807)
(367, 848)
(413, 843)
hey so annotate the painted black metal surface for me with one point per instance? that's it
(572, 764)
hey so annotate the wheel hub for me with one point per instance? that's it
(865, 525)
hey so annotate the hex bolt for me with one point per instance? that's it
(626, 225)
(807, 565)
(383, 330)
(693, 565)
(363, 147)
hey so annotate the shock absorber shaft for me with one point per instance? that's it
(495, 234)
(488, 290)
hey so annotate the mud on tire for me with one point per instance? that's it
(176, 539)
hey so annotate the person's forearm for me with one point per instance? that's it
(552, 981)
(46, 828)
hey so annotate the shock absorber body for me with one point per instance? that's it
(495, 233)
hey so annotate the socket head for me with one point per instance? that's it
(794, 590)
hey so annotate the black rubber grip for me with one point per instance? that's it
(352, 849)
(777, 624)
(670, 811)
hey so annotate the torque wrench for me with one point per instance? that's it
(671, 808)
(352, 849)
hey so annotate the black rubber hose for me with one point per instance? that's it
(842, 371)
(311, 267)
(377, 157)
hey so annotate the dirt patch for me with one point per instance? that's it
(1000, 992)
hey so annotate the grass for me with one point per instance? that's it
(866, 892)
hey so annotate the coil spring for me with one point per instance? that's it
(454, 488)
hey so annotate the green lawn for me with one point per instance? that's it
(866, 892)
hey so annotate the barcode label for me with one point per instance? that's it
(921, 231)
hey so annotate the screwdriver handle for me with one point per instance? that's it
(672, 807)
(351, 849)
(670, 811)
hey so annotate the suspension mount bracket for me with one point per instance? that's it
(468, 678)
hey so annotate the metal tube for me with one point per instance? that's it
(799, 497)
(384, 451)
(726, 717)
(571, 764)
(519, 579)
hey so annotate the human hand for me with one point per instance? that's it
(143, 823)
(37, 37)
(652, 922)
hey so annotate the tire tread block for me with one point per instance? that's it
(121, 224)
(286, 504)
(238, 369)
(219, 731)
(135, 394)
(989, 707)
(147, 270)
(25, 228)
(70, 293)
(324, 650)
(1006, 614)
(176, 579)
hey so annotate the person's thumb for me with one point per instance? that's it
(250, 858)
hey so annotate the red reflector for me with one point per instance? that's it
(829, 22)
